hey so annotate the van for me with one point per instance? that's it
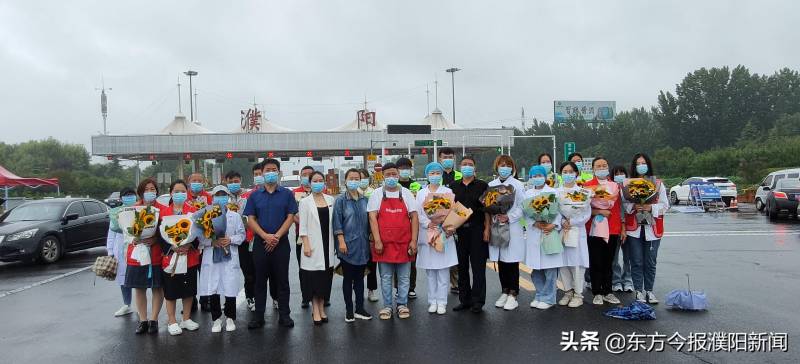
(769, 182)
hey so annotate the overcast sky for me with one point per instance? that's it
(310, 63)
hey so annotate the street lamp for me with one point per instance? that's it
(190, 73)
(452, 72)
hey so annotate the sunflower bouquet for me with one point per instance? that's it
(457, 217)
(605, 196)
(544, 207)
(641, 191)
(136, 223)
(210, 223)
(437, 206)
(573, 205)
(498, 200)
(551, 180)
(199, 203)
(177, 231)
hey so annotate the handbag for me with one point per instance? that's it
(500, 234)
(105, 267)
(551, 243)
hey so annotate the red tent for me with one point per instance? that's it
(8, 179)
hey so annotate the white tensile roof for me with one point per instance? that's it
(267, 126)
(183, 126)
(437, 121)
(353, 125)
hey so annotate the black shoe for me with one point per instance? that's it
(462, 307)
(327, 303)
(255, 324)
(316, 323)
(412, 295)
(349, 317)
(142, 328)
(362, 314)
(324, 320)
(287, 322)
(476, 309)
(153, 329)
(304, 305)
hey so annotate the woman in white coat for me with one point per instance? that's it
(545, 266)
(220, 273)
(576, 259)
(116, 247)
(319, 250)
(436, 264)
(509, 257)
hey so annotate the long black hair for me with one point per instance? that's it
(539, 160)
(646, 160)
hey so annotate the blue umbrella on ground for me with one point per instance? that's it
(687, 300)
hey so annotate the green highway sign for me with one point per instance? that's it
(427, 143)
(569, 148)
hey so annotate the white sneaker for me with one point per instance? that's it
(217, 327)
(442, 309)
(372, 296)
(501, 302)
(651, 298)
(597, 300)
(124, 310)
(189, 325)
(544, 306)
(641, 297)
(628, 288)
(230, 325)
(174, 329)
(565, 298)
(432, 308)
(535, 303)
(576, 301)
(610, 298)
(511, 303)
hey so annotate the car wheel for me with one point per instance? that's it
(772, 213)
(50, 250)
(673, 199)
(759, 205)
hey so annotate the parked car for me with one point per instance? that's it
(680, 193)
(113, 200)
(290, 182)
(783, 198)
(44, 230)
(770, 181)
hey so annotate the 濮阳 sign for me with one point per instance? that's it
(589, 111)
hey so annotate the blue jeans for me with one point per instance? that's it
(643, 262)
(622, 270)
(126, 295)
(403, 272)
(545, 282)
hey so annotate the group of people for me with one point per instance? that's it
(381, 232)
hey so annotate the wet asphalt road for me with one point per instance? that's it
(747, 266)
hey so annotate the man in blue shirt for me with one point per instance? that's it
(270, 212)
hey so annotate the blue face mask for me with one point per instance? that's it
(149, 196)
(364, 183)
(435, 179)
(234, 187)
(547, 167)
(537, 181)
(258, 180)
(448, 163)
(305, 181)
(390, 182)
(196, 187)
(271, 177)
(619, 178)
(601, 173)
(468, 171)
(568, 178)
(128, 200)
(179, 198)
(405, 173)
(641, 169)
(353, 185)
(221, 200)
(504, 172)
(317, 187)
(579, 165)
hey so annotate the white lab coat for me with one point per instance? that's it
(659, 209)
(515, 251)
(577, 256)
(427, 256)
(310, 226)
(115, 245)
(533, 242)
(224, 278)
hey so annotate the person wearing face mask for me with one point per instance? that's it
(552, 179)
(406, 170)
(365, 184)
(319, 253)
(372, 278)
(238, 200)
(199, 198)
(245, 249)
(584, 174)
(436, 264)
(576, 259)
(545, 266)
(644, 239)
(447, 159)
(509, 257)
(621, 281)
(142, 277)
(116, 247)
(179, 286)
(394, 225)
(300, 192)
(351, 229)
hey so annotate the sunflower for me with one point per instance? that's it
(184, 224)
(148, 219)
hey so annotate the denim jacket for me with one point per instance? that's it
(350, 219)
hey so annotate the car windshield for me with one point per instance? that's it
(719, 180)
(789, 183)
(36, 212)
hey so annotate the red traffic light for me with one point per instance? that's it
(270, 154)
(187, 156)
(309, 154)
(347, 152)
(229, 155)
(152, 157)
(424, 151)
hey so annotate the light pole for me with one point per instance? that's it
(452, 72)
(190, 73)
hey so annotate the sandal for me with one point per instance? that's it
(385, 313)
(403, 312)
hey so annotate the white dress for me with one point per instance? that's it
(579, 255)
(515, 251)
(115, 245)
(533, 242)
(224, 278)
(427, 256)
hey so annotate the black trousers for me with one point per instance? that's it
(248, 270)
(472, 251)
(273, 268)
(601, 258)
(372, 277)
(509, 277)
(353, 281)
(298, 250)
(216, 310)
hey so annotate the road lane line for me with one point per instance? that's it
(32, 285)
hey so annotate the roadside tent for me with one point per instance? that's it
(181, 125)
(354, 125)
(437, 121)
(10, 180)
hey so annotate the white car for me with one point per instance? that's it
(727, 189)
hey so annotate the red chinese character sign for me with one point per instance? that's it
(366, 118)
(250, 120)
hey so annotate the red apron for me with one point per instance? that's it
(632, 225)
(395, 230)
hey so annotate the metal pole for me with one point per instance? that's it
(191, 100)
(453, 84)
(5, 201)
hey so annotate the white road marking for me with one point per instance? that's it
(25, 288)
